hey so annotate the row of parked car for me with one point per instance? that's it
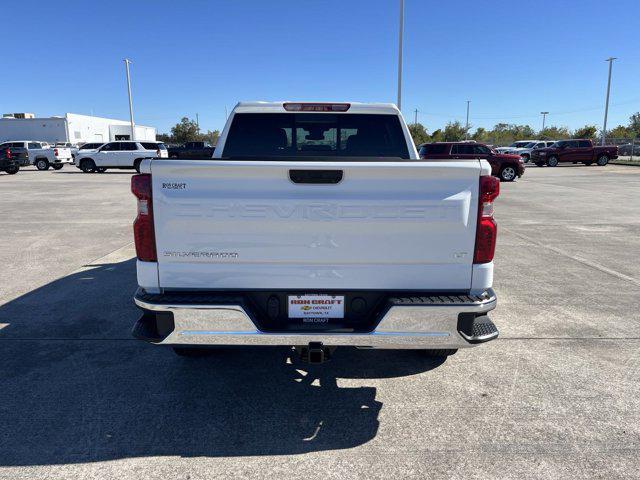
(96, 156)
(507, 163)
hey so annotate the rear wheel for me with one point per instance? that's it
(42, 164)
(508, 173)
(57, 166)
(12, 170)
(435, 353)
(552, 161)
(588, 163)
(87, 165)
(602, 160)
(101, 170)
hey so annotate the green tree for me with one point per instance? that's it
(185, 131)
(554, 133)
(454, 132)
(621, 132)
(480, 135)
(418, 133)
(588, 131)
(437, 136)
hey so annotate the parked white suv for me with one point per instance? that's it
(122, 154)
(41, 154)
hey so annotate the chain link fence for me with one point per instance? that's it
(628, 149)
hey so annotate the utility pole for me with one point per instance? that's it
(415, 116)
(198, 122)
(544, 117)
(400, 35)
(606, 105)
(466, 128)
(133, 127)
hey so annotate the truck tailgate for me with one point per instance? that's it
(246, 225)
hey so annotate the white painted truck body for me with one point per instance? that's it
(243, 225)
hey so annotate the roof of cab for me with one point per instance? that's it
(277, 107)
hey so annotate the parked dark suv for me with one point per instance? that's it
(11, 158)
(504, 166)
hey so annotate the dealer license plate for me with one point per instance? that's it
(316, 306)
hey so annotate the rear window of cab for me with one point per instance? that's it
(315, 135)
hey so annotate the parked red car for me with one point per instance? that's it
(574, 151)
(504, 166)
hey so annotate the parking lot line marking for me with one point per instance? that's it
(584, 261)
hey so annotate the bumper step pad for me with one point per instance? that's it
(478, 329)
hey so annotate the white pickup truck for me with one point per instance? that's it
(42, 155)
(315, 226)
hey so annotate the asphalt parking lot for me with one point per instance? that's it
(556, 396)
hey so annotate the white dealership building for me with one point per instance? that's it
(73, 128)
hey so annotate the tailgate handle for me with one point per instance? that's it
(316, 176)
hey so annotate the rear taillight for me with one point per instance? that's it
(8, 152)
(55, 152)
(487, 229)
(143, 231)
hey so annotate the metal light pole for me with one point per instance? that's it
(415, 117)
(606, 105)
(133, 127)
(466, 127)
(400, 35)
(198, 122)
(544, 117)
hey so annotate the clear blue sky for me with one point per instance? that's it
(512, 59)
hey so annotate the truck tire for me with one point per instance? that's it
(602, 160)
(552, 161)
(57, 166)
(588, 163)
(87, 165)
(435, 353)
(42, 164)
(13, 169)
(508, 173)
(191, 352)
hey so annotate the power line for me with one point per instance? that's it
(494, 116)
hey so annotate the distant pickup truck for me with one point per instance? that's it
(574, 151)
(192, 150)
(42, 155)
(315, 225)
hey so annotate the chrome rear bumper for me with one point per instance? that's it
(431, 322)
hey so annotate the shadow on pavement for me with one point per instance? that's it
(77, 388)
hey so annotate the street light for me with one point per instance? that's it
(544, 117)
(400, 35)
(606, 105)
(466, 135)
(133, 128)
